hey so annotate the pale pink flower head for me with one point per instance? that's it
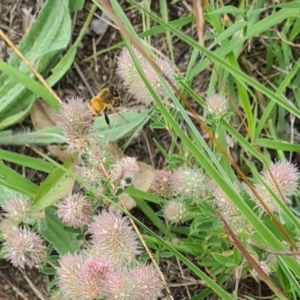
(18, 210)
(68, 276)
(161, 185)
(56, 296)
(90, 174)
(114, 237)
(95, 152)
(189, 182)
(217, 105)
(92, 278)
(265, 266)
(24, 248)
(239, 224)
(76, 121)
(267, 199)
(124, 169)
(7, 226)
(74, 210)
(175, 211)
(286, 176)
(223, 203)
(230, 213)
(132, 80)
(147, 281)
(120, 285)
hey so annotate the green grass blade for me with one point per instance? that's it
(16, 182)
(26, 161)
(29, 83)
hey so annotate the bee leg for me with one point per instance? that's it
(117, 103)
(106, 117)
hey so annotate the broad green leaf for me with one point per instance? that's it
(48, 271)
(224, 260)
(53, 188)
(7, 193)
(76, 5)
(63, 66)
(120, 125)
(17, 117)
(65, 63)
(47, 37)
(51, 135)
(54, 231)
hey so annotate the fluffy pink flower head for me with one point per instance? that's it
(114, 237)
(18, 210)
(23, 247)
(76, 121)
(267, 198)
(189, 182)
(265, 266)
(7, 226)
(223, 203)
(90, 174)
(95, 152)
(68, 276)
(92, 278)
(124, 169)
(74, 210)
(286, 176)
(133, 82)
(147, 281)
(217, 105)
(120, 286)
(175, 211)
(228, 210)
(161, 185)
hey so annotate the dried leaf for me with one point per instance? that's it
(43, 116)
(141, 181)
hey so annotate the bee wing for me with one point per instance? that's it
(116, 112)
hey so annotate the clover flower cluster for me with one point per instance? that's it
(282, 179)
(217, 105)
(229, 211)
(22, 247)
(185, 182)
(264, 265)
(76, 120)
(132, 80)
(192, 184)
(178, 186)
(108, 268)
(75, 211)
(124, 170)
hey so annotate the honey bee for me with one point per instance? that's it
(108, 97)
